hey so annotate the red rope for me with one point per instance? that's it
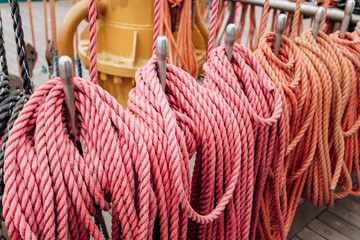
(92, 39)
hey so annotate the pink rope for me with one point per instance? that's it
(92, 31)
(243, 81)
(137, 161)
(157, 18)
(212, 32)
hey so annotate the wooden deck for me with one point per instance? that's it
(339, 223)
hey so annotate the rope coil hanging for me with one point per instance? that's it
(293, 78)
(12, 102)
(334, 77)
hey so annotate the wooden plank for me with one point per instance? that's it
(340, 225)
(304, 215)
(326, 231)
(349, 204)
(308, 234)
(346, 215)
(354, 198)
(295, 238)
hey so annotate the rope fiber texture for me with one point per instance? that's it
(137, 161)
(350, 48)
(237, 81)
(293, 78)
(334, 74)
(12, 102)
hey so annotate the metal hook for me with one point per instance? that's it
(66, 73)
(349, 9)
(279, 30)
(230, 35)
(161, 51)
(317, 21)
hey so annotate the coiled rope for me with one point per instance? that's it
(11, 102)
(350, 48)
(137, 161)
(357, 31)
(264, 107)
(334, 74)
(294, 79)
(237, 81)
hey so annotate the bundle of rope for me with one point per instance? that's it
(357, 31)
(11, 102)
(136, 161)
(237, 81)
(350, 48)
(293, 77)
(334, 75)
(181, 48)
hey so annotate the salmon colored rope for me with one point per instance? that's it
(334, 74)
(181, 48)
(46, 27)
(293, 78)
(264, 18)
(326, 5)
(357, 31)
(350, 48)
(31, 23)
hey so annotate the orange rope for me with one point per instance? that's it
(252, 38)
(293, 77)
(181, 48)
(335, 73)
(326, 5)
(242, 22)
(350, 48)
(53, 22)
(296, 20)
(264, 18)
(273, 21)
(31, 23)
(356, 32)
(46, 27)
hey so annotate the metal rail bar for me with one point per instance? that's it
(333, 14)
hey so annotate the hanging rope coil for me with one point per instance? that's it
(334, 77)
(12, 102)
(293, 78)
(350, 48)
(237, 83)
(147, 157)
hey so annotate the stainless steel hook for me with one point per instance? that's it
(66, 73)
(317, 21)
(230, 35)
(279, 30)
(349, 9)
(161, 50)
